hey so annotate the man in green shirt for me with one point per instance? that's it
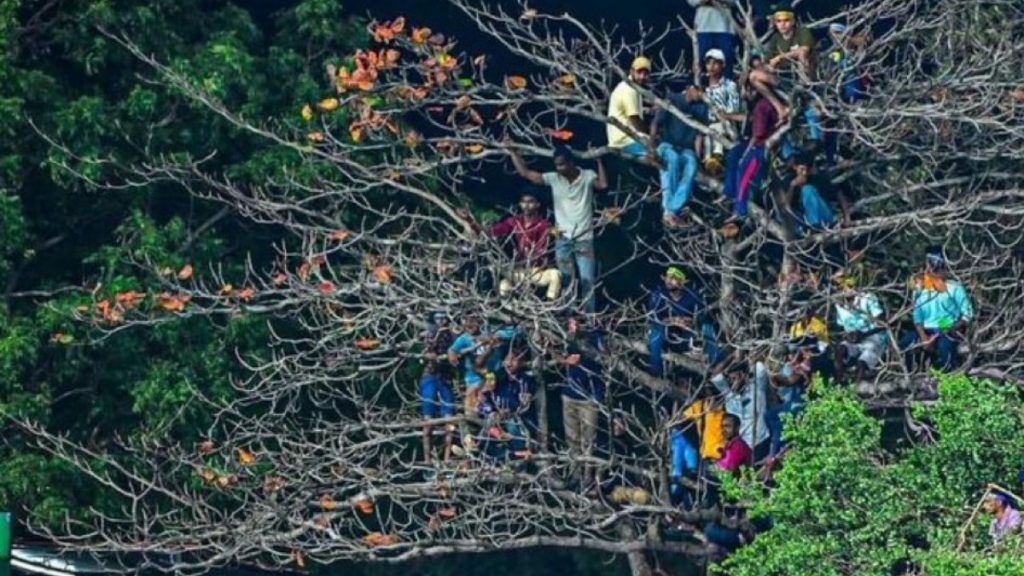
(791, 56)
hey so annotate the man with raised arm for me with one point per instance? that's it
(572, 190)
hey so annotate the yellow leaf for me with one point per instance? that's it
(209, 476)
(226, 290)
(474, 148)
(315, 137)
(328, 104)
(528, 14)
(307, 113)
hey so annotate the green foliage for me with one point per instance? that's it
(844, 505)
(77, 107)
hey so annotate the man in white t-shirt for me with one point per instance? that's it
(572, 190)
(865, 337)
(746, 396)
(625, 107)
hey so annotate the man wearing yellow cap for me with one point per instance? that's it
(625, 110)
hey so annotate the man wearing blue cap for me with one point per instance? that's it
(1005, 519)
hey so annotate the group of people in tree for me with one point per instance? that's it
(744, 132)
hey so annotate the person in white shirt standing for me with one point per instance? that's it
(746, 396)
(716, 29)
(572, 190)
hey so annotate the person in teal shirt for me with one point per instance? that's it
(942, 313)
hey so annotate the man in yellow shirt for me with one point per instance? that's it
(707, 414)
(625, 109)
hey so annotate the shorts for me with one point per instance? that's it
(437, 397)
(868, 350)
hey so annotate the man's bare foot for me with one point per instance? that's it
(671, 221)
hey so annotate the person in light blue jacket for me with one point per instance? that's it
(942, 313)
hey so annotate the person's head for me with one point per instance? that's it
(784, 19)
(755, 58)
(714, 61)
(730, 426)
(439, 318)
(837, 31)
(737, 375)
(675, 278)
(996, 502)
(934, 261)
(640, 70)
(564, 164)
(847, 284)
(803, 164)
(471, 325)
(513, 363)
(529, 204)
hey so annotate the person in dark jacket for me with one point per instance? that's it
(675, 313)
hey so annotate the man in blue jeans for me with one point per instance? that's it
(572, 191)
(675, 141)
(436, 394)
(942, 312)
(716, 29)
(673, 310)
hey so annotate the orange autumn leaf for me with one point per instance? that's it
(563, 135)
(129, 300)
(315, 137)
(328, 503)
(280, 279)
(389, 30)
(245, 457)
(390, 57)
(420, 35)
(340, 235)
(383, 274)
(463, 102)
(566, 81)
(328, 104)
(172, 303)
(247, 294)
(326, 288)
(185, 273)
(367, 344)
(515, 82)
(207, 447)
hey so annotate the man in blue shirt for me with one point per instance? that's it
(942, 312)
(436, 394)
(675, 146)
(673, 310)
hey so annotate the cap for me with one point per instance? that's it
(675, 273)
(715, 53)
(847, 282)
(783, 11)
(641, 63)
(837, 27)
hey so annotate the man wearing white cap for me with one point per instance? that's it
(723, 98)
(625, 107)
(716, 29)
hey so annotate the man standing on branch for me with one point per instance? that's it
(572, 190)
(716, 29)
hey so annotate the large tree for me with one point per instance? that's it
(312, 455)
